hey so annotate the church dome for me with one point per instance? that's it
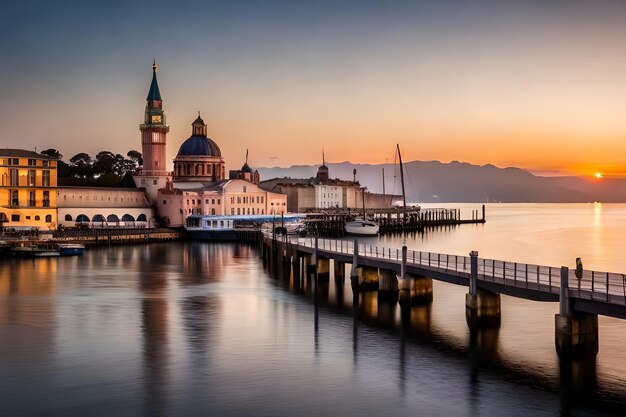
(246, 168)
(199, 146)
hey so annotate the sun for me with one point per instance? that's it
(599, 175)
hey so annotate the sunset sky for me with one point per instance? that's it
(535, 84)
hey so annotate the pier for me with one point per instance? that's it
(406, 276)
(331, 223)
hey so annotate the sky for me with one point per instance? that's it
(539, 85)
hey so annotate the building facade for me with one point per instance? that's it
(28, 183)
(199, 187)
(99, 207)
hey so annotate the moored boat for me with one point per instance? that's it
(362, 228)
(70, 249)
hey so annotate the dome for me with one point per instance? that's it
(246, 168)
(199, 146)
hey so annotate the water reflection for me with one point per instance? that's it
(411, 318)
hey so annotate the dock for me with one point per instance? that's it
(406, 276)
(331, 223)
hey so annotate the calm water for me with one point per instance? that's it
(203, 329)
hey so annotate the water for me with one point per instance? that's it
(182, 329)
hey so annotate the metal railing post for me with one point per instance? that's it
(473, 284)
(564, 293)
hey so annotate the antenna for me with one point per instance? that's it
(246, 156)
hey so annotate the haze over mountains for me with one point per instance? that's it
(434, 181)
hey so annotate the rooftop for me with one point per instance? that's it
(22, 153)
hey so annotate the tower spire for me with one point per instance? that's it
(246, 156)
(323, 159)
(154, 94)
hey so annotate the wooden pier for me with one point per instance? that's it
(406, 276)
(331, 223)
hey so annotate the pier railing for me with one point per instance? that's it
(593, 285)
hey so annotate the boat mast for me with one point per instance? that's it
(402, 177)
(363, 194)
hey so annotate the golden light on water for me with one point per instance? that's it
(599, 175)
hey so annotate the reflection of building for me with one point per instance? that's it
(103, 207)
(27, 189)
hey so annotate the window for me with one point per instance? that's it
(143, 182)
(238, 210)
(154, 182)
(14, 178)
(238, 200)
(232, 211)
(27, 217)
(244, 188)
(13, 161)
(261, 199)
(31, 177)
(193, 201)
(31, 198)
(15, 200)
(206, 201)
(68, 218)
(49, 218)
(37, 218)
(15, 217)
(212, 201)
(32, 162)
(46, 198)
(232, 200)
(45, 163)
(213, 211)
(164, 202)
(219, 201)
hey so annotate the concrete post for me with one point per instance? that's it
(473, 287)
(575, 333)
(387, 285)
(340, 272)
(323, 269)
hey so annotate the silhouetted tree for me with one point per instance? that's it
(81, 165)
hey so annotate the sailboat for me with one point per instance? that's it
(362, 227)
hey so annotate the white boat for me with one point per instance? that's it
(362, 228)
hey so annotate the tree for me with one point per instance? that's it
(53, 153)
(105, 163)
(136, 157)
(81, 165)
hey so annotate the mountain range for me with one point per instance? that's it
(434, 181)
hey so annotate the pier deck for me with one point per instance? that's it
(596, 292)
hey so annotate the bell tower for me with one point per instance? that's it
(153, 174)
(154, 131)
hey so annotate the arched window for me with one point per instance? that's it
(49, 218)
(81, 218)
(128, 218)
(3, 218)
(112, 218)
(142, 218)
(98, 218)
(68, 218)
(37, 218)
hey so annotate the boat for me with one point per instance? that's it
(70, 249)
(361, 227)
(224, 228)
